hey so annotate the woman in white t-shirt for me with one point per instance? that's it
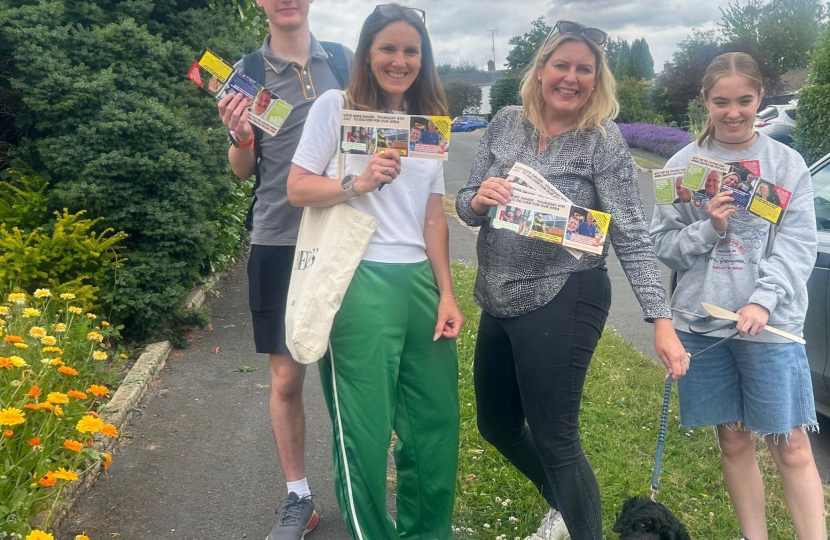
(392, 362)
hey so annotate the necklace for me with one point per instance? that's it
(741, 142)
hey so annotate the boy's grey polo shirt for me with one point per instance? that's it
(276, 222)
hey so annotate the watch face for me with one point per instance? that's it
(347, 182)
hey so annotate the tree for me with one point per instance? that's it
(634, 96)
(612, 52)
(812, 132)
(463, 98)
(788, 30)
(634, 61)
(525, 46)
(642, 53)
(464, 66)
(683, 81)
(504, 92)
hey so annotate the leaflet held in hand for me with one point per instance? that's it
(415, 136)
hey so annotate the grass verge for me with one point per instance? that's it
(647, 163)
(620, 418)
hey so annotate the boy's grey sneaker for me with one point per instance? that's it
(296, 517)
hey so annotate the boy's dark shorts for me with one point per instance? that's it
(269, 272)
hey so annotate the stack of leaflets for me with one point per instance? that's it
(705, 177)
(366, 132)
(539, 210)
(267, 111)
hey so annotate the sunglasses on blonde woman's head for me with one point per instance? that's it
(410, 14)
(570, 28)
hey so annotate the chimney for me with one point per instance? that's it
(491, 65)
(667, 66)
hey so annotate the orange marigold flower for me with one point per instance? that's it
(77, 394)
(34, 441)
(107, 460)
(48, 480)
(65, 474)
(13, 339)
(95, 336)
(66, 370)
(123, 356)
(104, 323)
(75, 446)
(48, 340)
(81, 537)
(98, 391)
(35, 391)
(31, 406)
(90, 424)
(11, 417)
(45, 406)
(57, 397)
(110, 430)
(8, 433)
(6, 363)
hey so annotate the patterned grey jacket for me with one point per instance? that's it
(517, 274)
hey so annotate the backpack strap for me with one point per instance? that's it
(337, 62)
(253, 64)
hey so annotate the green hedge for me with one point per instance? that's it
(107, 114)
(812, 134)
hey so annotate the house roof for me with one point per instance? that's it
(792, 81)
(476, 78)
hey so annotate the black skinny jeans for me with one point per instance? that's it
(532, 368)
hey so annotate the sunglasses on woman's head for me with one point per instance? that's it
(411, 14)
(570, 28)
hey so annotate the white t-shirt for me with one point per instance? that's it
(400, 206)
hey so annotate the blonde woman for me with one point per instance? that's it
(544, 310)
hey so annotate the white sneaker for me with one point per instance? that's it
(552, 528)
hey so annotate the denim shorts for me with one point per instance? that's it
(766, 386)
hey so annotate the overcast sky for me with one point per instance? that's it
(459, 28)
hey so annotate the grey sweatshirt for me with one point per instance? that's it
(744, 266)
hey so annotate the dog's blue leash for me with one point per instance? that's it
(661, 436)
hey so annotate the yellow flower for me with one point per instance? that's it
(60, 327)
(95, 336)
(30, 312)
(57, 410)
(43, 293)
(53, 349)
(107, 460)
(73, 445)
(75, 310)
(123, 356)
(81, 537)
(91, 316)
(17, 298)
(48, 340)
(65, 474)
(11, 417)
(18, 362)
(21, 345)
(110, 430)
(90, 424)
(4, 310)
(99, 355)
(57, 397)
(67, 296)
(39, 535)
(37, 332)
(104, 323)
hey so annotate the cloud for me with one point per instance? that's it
(460, 29)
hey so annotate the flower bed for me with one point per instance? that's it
(662, 140)
(52, 354)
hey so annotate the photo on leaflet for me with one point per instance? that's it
(396, 139)
(549, 224)
(684, 195)
(740, 181)
(710, 187)
(519, 219)
(424, 136)
(769, 201)
(358, 139)
(519, 182)
(263, 101)
(581, 223)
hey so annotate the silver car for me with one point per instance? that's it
(777, 122)
(817, 323)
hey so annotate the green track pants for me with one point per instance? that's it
(384, 372)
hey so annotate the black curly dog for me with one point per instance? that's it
(643, 519)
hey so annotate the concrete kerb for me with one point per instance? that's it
(120, 407)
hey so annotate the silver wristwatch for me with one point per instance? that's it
(347, 184)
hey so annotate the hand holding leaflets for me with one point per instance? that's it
(266, 111)
(735, 185)
(538, 210)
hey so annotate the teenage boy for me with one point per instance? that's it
(298, 68)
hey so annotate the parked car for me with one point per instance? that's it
(817, 323)
(468, 123)
(777, 122)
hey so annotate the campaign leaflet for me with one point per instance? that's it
(667, 186)
(741, 181)
(703, 176)
(769, 201)
(267, 111)
(416, 136)
(548, 215)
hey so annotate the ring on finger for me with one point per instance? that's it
(386, 171)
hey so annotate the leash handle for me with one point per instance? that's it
(661, 439)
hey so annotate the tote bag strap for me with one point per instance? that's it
(341, 156)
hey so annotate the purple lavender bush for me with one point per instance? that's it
(662, 140)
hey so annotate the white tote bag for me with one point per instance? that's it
(330, 245)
